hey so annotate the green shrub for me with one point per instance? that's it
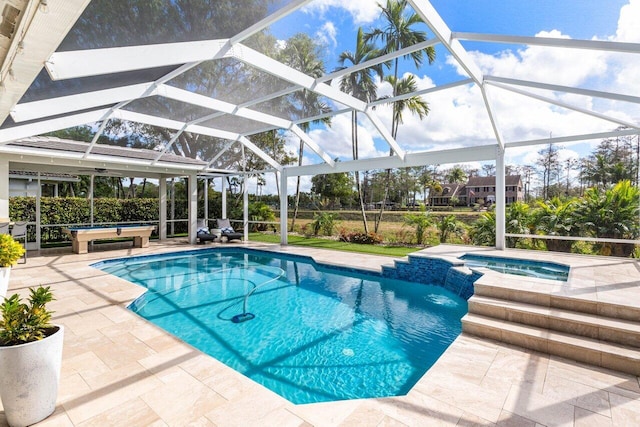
(23, 323)
(360, 237)
(325, 222)
(10, 250)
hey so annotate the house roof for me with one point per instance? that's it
(480, 181)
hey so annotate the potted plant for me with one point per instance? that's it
(10, 253)
(30, 358)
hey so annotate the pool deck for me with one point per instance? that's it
(119, 370)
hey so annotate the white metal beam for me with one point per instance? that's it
(379, 60)
(312, 144)
(568, 89)
(571, 138)
(420, 92)
(66, 104)
(564, 105)
(608, 46)
(264, 156)
(431, 17)
(278, 69)
(492, 116)
(384, 132)
(220, 153)
(23, 131)
(92, 62)
(457, 155)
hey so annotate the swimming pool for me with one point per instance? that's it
(521, 267)
(319, 333)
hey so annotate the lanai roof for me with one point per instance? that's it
(202, 68)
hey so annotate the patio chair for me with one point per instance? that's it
(204, 234)
(227, 233)
(19, 232)
(4, 228)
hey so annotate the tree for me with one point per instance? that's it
(304, 54)
(421, 221)
(398, 33)
(549, 162)
(362, 85)
(456, 175)
(556, 217)
(611, 213)
(332, 187)
(448, 225)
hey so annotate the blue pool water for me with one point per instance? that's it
(319, 333)
(521, 267)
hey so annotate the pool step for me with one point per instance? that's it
(619, 331)
(575, 347)
(486, 287)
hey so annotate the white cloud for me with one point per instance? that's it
(628, 28)
(361, 11)
(326, 35)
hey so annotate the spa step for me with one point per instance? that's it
(483, 287)
(582, 349)
(618, 331)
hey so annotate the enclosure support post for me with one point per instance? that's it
(224, 197)
(38, 213)
(206, 201)
(500, 200)
(245, 207)
(193, 208)
(4, 190)
(284, 206)
(162, 193)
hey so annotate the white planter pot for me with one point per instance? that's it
(29, 376)
(4, 281)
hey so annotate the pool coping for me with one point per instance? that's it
(116, 366)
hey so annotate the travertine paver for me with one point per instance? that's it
(121, 370)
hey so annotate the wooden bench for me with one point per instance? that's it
(80, 237)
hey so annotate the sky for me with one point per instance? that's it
(457, 116)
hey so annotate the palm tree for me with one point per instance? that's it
(397, 34)
(611, 213)
(456, 175)
(302, 53)
(362, 85)
(556, 217)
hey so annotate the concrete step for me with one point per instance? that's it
(580, 348)
(593, 326)
(487, 288)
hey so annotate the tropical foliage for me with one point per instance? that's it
(10, 250)
(22, 323)
(421, 221)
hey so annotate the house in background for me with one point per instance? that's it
(443, 198)
(481, 189)
(478, 189)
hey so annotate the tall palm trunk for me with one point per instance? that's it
(394, 131)
(297, 204)
(354, 139)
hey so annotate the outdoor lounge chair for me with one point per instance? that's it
(227, 232)
(204, 234)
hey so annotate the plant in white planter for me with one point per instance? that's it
(30, 358)
(10, 253)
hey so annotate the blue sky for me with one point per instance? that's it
(520, 118)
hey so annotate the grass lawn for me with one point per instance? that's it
(395, 251)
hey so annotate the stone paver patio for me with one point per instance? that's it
(118, 369)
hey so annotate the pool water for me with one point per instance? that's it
(539, 269)
(319, 333)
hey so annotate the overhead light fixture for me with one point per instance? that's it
(44, 6)
(12, 75)
(20, 48)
